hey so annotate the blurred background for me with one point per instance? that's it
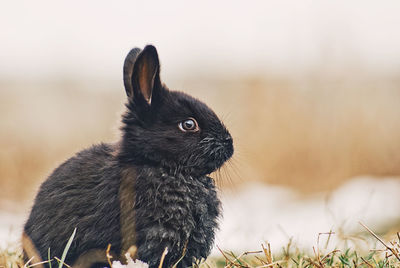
(310, 91)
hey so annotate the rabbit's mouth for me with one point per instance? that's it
(221, 153)
(212, 158)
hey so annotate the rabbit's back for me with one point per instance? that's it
(82, 193)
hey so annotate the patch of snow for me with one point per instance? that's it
(130, 263)
(260, 213)
(11, 225)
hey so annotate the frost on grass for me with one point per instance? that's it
(130, 263)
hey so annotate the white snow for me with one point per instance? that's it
(260, 213)
(130, 263)
(11, 224)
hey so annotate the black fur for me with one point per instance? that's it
(81, 193)
(175, 202)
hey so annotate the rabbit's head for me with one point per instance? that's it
(168, 128)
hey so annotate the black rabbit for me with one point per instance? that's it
(150, 189)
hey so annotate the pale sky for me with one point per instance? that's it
(45, 39)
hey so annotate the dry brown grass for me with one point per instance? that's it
(43, 125)
(11, 257)
(310, 134)
(314, 135)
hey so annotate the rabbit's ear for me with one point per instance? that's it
(128, 69)
(145, 75)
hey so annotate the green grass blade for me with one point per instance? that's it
(64, 255)
(48, 257)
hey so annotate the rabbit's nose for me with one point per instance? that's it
(228, 144)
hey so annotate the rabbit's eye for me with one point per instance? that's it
(189, 124)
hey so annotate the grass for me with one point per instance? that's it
(335, 258)
(11, 257)
(290, 256)
(387, 255)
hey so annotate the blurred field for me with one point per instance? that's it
(310, 133)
